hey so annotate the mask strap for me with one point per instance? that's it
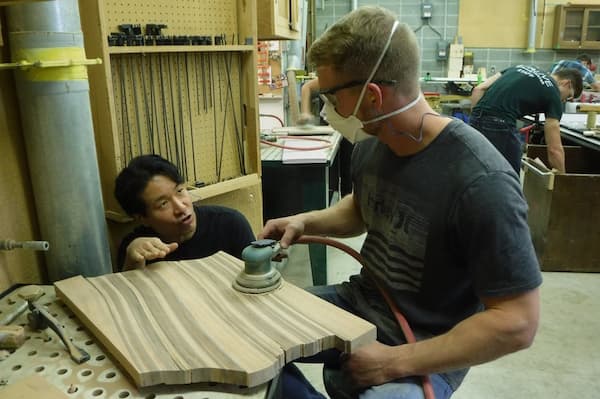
(385, 48)
(396, 112)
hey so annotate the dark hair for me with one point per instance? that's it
(574, 76)
(133, 179)
(584, 58)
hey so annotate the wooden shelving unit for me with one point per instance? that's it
(577, 26)
(196, 105)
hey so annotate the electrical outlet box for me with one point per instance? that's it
(442, 50)
(426, 10)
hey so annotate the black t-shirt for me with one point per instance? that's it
(445, 227)
(218, 229)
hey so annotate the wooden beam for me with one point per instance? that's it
(15, 2)
(588, 108)
(33, 386)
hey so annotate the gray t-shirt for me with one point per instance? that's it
(444, 227)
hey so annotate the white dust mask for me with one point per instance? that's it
(351, 127)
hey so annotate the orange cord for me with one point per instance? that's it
(410, 337)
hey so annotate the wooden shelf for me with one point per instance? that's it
(14, 2)
(224, 187)
(178, 49)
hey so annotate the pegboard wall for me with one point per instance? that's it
(182, 17)
(183, 106)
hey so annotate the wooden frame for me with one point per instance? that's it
(162, 99)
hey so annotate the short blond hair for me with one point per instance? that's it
(354, 43)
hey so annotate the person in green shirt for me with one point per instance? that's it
(522, 90)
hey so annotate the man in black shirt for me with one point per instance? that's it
(151, 190)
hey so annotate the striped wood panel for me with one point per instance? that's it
(182, 322)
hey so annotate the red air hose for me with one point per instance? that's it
(319, 147)
(410, 337)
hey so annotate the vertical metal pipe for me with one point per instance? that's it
(59, 138)
(532, 27)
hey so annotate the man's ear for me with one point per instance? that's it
(374, 95)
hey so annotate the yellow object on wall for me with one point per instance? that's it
(74, 72)
(490, 23)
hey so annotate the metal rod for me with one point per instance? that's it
(235, 124)
(187, 84)
(214, 107)
(181, 127)
(132, 66)
(125, 113)
(164, 106)
(177, 161)
(149, 125)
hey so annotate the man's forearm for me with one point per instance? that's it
(555, 150)
(341, 220)
(481, 338)
(556, 159)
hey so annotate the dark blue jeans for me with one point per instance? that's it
(502, 134)
(296, 386)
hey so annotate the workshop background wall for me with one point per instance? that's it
(505, 24)
(18, 220)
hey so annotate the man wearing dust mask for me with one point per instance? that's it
(446, 226)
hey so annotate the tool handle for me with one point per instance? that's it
(33, 245)
(77, 354)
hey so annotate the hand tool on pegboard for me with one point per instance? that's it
(238, 138)
(164, 114)
(132, 67)
(190, 118)
(183, 149)
(173, 134)
(125, 132)
(149, 117)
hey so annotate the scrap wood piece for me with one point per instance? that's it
(182, 322)
(33, 386)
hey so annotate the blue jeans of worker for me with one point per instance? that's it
(296, 386)
(502, 134)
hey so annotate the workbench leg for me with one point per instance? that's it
(315, 196)
(318, 263)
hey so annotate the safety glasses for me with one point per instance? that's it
(330, 93)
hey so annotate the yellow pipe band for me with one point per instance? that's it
(72, 72)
